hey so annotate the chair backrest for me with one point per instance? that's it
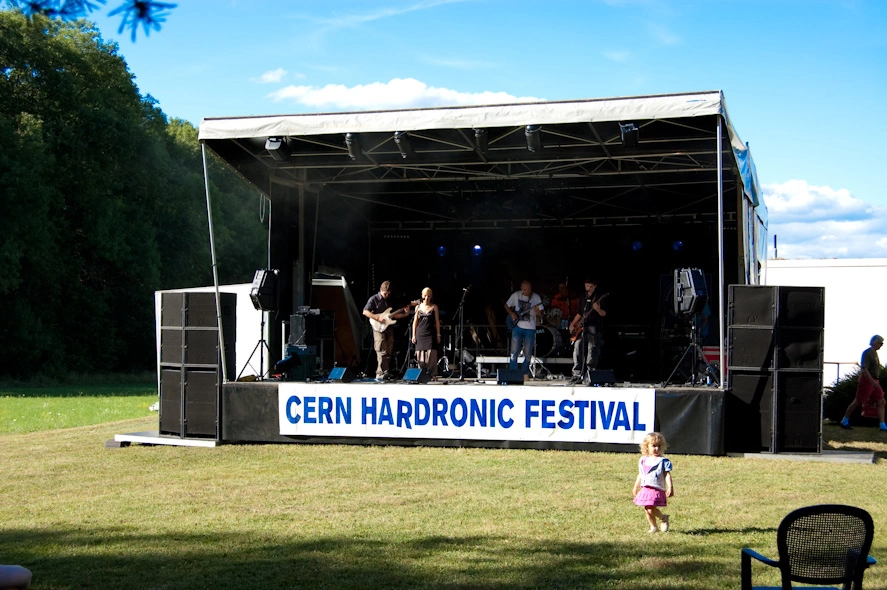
(828, 543)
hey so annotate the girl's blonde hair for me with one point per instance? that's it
(428, 291)
(653, 438)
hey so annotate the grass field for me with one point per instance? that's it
(349, 517)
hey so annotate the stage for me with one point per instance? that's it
(539, 414)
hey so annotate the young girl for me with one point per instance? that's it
(653, 484)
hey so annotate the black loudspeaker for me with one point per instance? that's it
(201, 393)
(263, 292)
(509, 377)
(690, 293)
(341, 374)
(798, 411)
(752, 305)
(750, 348)
(416, 375)
(799, 348)
(601, 377)
(748, 412)
(801, 307)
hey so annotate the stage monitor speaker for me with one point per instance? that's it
(601, 377)
(752, 305)
(509, 377)
(798, 411)
(751, 348)
(690, 293)
(416, 375)
(341, 375)
(263, 291)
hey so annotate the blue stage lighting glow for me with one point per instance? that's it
(477, 250)
(677, 245)
(442, 251)
(637, 245)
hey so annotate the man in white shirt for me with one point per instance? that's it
(523, 306)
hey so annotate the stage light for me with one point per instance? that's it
(629, 134)
(637, 246)
(402, 139)
(481, 140)
(277, 148)
(477, 250)
(677, 245)
(352, 142)
(534, 137)
(441, 251)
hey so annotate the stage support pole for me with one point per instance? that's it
(721, 358)
(212, 249)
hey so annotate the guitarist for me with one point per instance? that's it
(383, 340)
(523, 306)
(587, 331)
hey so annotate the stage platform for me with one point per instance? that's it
(691, 418)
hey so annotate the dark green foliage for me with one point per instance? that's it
(102, 202)
(839, 396)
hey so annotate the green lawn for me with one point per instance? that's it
(351, 517)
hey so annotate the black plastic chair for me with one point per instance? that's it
(824, 544)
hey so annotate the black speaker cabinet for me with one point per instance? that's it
(801, 307)
(416, 375)
(752, 305)
(263, 291)
(799, 348)
(690, 292)
(341, 375)
(798, 411)
(750, 348)
(509, 377)
(189, 402)
(748, 412)
(601, 377)
(196, 310)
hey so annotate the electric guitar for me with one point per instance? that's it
(387, 320)
(576, 331)
(524, 314)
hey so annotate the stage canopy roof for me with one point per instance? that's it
(565, 162)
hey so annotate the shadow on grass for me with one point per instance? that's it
(859, 438)
(747, 530)
(119, 559)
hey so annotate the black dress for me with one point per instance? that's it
(425, 330)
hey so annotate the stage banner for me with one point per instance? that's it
(520, 413)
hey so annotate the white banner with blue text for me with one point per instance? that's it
(563, 414)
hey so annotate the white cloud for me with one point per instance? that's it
(396, 94)
(822, 222)
(270, 76)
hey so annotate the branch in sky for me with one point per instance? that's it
(147, 13)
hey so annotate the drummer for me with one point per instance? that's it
(564, 304)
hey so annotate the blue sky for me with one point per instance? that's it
(805, 81)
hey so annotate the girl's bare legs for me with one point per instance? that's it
(652, 513)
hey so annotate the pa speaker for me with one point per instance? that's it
(509, 377)
(341, 375)
(263, 291)
(751, 348)
(798, 411)
(752, 305)
(690, 293)
(601, 377)
(416, 375)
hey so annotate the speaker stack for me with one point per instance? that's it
(190, 361)
(774, 358)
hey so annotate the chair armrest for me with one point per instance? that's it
(759, 557)
(747, 554)
(869, 560)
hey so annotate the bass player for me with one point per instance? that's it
(381, 316)
(586, 330)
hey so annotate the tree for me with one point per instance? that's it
(147, 13)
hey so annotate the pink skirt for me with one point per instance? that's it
(650, 497)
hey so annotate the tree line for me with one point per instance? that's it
(102, 202)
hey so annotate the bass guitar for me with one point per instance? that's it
(576, 331)
(387, 318)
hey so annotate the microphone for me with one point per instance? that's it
(466, 288)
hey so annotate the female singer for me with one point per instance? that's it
(426, 334)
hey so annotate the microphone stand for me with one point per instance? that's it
(460, 336)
